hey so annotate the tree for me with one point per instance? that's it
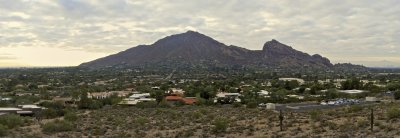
(301, 90)
(397, 95)
(289, 85)
(158, 95)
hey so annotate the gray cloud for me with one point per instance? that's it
(360, 31)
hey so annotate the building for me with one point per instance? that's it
(23, 110)
(137, 98)
(99, 95)
(264, 93)
(176, 99)
(104, 95)
(225, 95)
(9, 110)
(139, 95)
(371, 99)
(176, 91)
(301, 81)
(352, 91)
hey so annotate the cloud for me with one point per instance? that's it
(341, 30)
(7, 57)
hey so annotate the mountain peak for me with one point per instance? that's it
(188, 38)
(275, 45)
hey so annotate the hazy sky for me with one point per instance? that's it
(69, 32)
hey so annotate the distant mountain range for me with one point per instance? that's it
(193, 47)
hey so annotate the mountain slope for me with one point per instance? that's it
(193, 47)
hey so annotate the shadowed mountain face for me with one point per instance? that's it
(193, 47)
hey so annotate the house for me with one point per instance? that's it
(99, 95)
(33, 108)
(301, 81)
(129, 101)
(223, 96)
(139, 95)
(264, 93)
(9, 110)
(23, 110)
(371, 99)
(65, 100)
(5, 99)
(295, 96)
(121, 93)
(175, 99)
(104, 95)
(176, 91)
(137, 98)
(352, 91)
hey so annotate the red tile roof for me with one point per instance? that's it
(184, 100)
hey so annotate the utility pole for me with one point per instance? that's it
(372, 119)
(280, 120)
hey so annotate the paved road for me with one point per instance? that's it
(300, 107)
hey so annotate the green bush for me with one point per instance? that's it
(315, 115)
(57, 126)
(164, 104)
(393, 113)
(236, 105)
(3, 130)
(71, 116)
(397, 95)
(51, 113)
(251, 104)
(11, 121)
(220, 125)
(151, 104)
(355, 108)
(142, 120)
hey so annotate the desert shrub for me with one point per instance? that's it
(393, 113)
(164, 104)
(200, 101)
(331, 125)
(315, 115)
(220, 125)
(196, 115)
(86, 103)
(397, 95)
(71, 116)
(362, 123)
(142, 120)
(3, 130)
(354, 108)
(11, 121)
(57, 126)
(251, 104)
(53, 105)
(151, 104)
(203, 111)
(236, 105)
(51, 113)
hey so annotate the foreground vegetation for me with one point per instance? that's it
(211, 121)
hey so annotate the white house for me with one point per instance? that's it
(301, 81)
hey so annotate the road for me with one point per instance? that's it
(301, 107)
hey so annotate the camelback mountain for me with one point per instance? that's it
(193, 47)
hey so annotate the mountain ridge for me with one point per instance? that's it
(194, 47)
